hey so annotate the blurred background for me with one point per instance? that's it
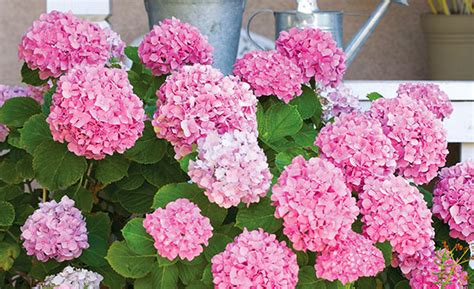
(396, 51)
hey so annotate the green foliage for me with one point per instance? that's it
(148, 149)
(7, 213)
(386, 249)
(31, 76)
(260, 215)
(126, 262)
(278, 121)
(111, 169)
(15, 111)
(138, 240)
(374, 96)
(34, 132)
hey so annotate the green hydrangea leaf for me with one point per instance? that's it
(217, 244)
(34, 132)
(159, 278)
(138, 200)
(306, 103)
(95, 255)
(111, 278)
(16, 111)
(7, 213)
(8, 253)
(386, 249)
(127, 263)
(148, 149)
(259, 215)
(111, 169)
(31, 77)
(138, 240)
(373, 96)
(280, 120)
(83, 198)
(57, 168)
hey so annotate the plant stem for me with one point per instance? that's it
(44, 195)
(432, 7)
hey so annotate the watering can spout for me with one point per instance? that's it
(369, 26)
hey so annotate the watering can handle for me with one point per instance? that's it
(256, 13)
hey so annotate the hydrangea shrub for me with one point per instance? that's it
(171, 175)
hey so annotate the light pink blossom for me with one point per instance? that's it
(117, 45)
(315, 52)
(172, 44)
(356, 144)
(58, 41)
(270, 73)
(351, 258)
(55, 231)
(340, 100)
(96, 112)
(430, 95)
(231, 168)
(419, 139)
(394, 210)
(72, 278)
(453, 200)
(255, 259)
(199, 99)
(315, 204)
(179, 230)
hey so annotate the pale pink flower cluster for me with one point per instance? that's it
(394, 210)
(173, 44)
(72, 278)
(255, 259)
(419, 139)
(199, 99)
(117, 45)
(231, 168)
(315, 204)
(436, 100)
(356, 144)
(340, 100)
(453, 200)
(439, 270)
(96, 112)
(55, 231)
(351, 258)
(270, 73)
(179, 230)
(315, 52)
(58, 41)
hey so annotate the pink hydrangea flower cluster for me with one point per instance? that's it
(117, 45)
(72, 278)
(315, 52)
(340, 100)
(173, 44)
(315, 204)
(199, 99)
(58, 41)
(439, 270)
(255, 259)
(356, 144)
(231, 168)
(270, 73)
(179, 230)
(410, 262)
(394, 210)
(351, 258)
(436, 100)
(96, 112)
(453, 199)
(419, 139)
(55, 231)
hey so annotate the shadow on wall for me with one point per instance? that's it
(395, 51)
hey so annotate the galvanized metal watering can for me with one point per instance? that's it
(219, 20)
(308, 15)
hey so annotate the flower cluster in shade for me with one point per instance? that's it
(453, 199)
(231, 168)
(117, 45)
(417, 136)
(255, 259)
(315, 52)
(356, 144)
(96, 112)
(429, 94)
(439, 270)
(394, 210)
(55, 231)
(179, 230)
(315, 204)
(351, 258)
(7, 92)
(199, 99)
(270, 73)
(73, 278)
(58, 41)
(340, 100)
(173, 44)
